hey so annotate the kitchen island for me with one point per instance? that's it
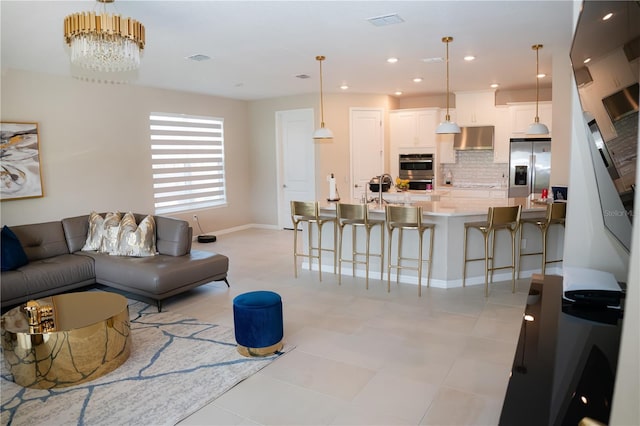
(449, 216)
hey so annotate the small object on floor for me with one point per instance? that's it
(257, 318)
(206, 238)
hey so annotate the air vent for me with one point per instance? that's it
(302, 76)
(381, 21)
(433, 60)
(199, 57)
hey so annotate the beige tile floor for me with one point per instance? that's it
(361, 357)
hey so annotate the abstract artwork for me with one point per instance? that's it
(20, 175)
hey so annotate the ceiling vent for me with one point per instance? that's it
(381, 21)
(199, 57)
(302, 76)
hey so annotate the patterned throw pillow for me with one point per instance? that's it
(110, 229)
(94, 236)
(136, 240)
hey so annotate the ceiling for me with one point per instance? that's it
(258, 48)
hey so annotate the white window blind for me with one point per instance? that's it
(187, 156)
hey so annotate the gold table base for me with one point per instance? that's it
(269, 350)
(90, 337)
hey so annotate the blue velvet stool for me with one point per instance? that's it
(257, 317)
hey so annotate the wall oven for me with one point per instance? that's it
(418, 169)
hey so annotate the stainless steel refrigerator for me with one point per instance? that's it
(529, 166)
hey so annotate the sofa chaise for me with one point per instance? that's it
(56, 263)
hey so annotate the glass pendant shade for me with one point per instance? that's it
(537, 128)
(447, 127)
(106, 53)
(323, 133)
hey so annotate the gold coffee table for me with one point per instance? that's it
(66, 339)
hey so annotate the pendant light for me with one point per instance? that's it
(322, 132)
(537, 128)
(447, 126)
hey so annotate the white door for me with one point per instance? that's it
(296, 161)
(367, 148)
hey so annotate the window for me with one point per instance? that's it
(187, 157)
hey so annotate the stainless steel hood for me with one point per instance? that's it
(472, 138)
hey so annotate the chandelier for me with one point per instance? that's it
(104, 42)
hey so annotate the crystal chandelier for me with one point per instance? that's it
(104, 42)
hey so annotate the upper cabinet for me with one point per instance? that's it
(610, 73)
(523, 114)
(476, 108)
(414, 128)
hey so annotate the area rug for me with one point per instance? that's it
(177, 365)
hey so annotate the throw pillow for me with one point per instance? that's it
(13, 255)
(110, 229)
(136, 240)
(94, 236)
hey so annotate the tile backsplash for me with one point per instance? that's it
(473, 168)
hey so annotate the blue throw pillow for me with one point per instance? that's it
(13, 255)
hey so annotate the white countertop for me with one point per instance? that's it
(456, 206)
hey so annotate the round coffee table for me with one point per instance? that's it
(66, 339)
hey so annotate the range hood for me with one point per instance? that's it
(472, 138)
(622, 103)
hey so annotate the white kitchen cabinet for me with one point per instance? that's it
(611, 73)
(477, 108)
(502, 135)
(592, 103)
(413, 128)
(446, 154)
(523, 114)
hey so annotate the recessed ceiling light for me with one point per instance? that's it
(398, 93)
(494, 85)
(586, 61)
(417, 80)
(607, 16)
(433, 60)
(344, 87)
(469, 58)
(381, 21)
(198, 57)
(541, 75)
(392, 60)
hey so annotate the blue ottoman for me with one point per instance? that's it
(257, 318)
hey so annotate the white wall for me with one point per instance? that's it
(95, 152)
(331, 156)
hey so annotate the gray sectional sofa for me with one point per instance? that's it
(57, 264)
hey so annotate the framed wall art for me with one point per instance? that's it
(20, 175)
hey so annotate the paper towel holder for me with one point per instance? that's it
(333, 189)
